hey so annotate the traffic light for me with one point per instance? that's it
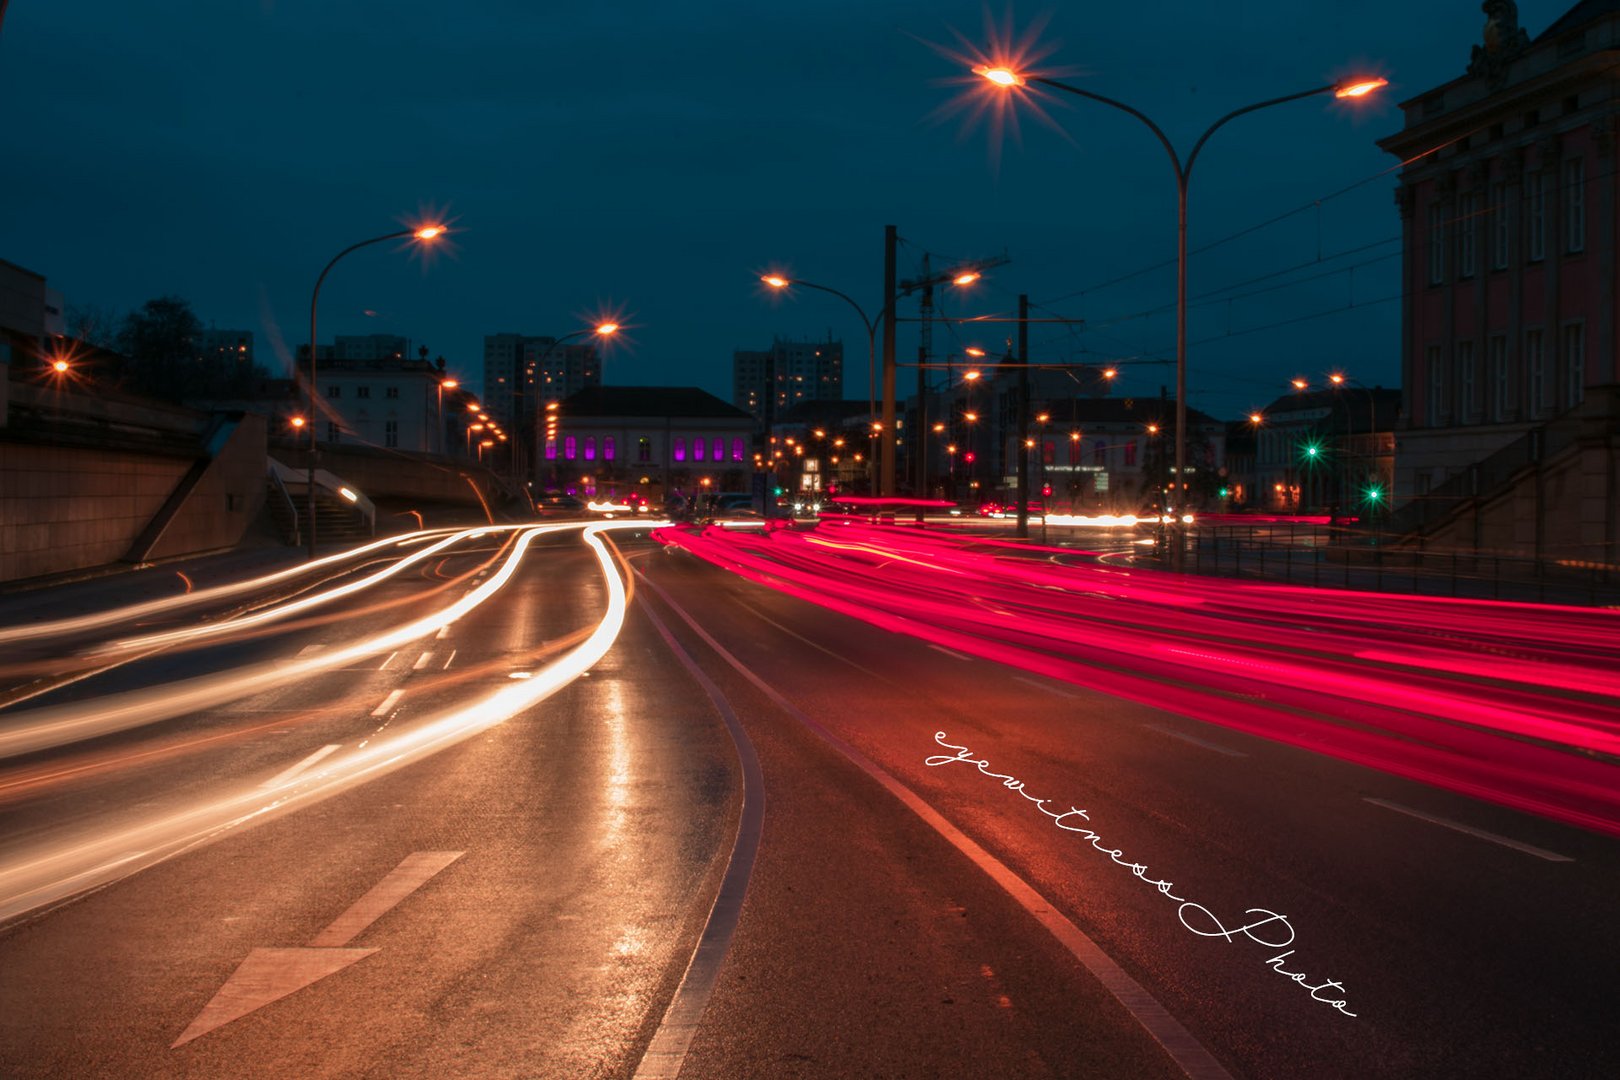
(1046, 490)
(1224, 492)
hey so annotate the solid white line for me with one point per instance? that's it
(447, 660)
(1182, 1046)
(388, 703)
(1195, 741)
(1044, 686)
(1528, 849)
(667, 1052)
(422, 661)
(390, 660)
(947, 652)
(287, 774)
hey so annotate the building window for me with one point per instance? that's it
(608, 448)
(362, 391)
(1049, 453)
(590, 448)
(331, 431)
(1437, 387)
(1536, 371)
(1130, 453)
(551, 449)
(643, 450)
(1099, 453)
(1574, 205)
(680, 448)
(390, 432)
(1536, 213)
(570, 447)
(1467, 212)
(700, 447)
(1574, 364)
(719, 448)
(1499, 378)
(1466, 383)
(1437, 243)
(1499, 226)
(333, 391)
(737, 448)
(391, 392)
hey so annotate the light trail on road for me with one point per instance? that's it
(1515, 703)
(101, 850)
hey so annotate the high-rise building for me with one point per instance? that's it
(226, 346)
(786, 374)
(520, 367)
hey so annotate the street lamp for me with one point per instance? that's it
(424, 233)
(1008, 80)
(954, 277)
(444, 384)
(604, 330)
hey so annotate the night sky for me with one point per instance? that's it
(652, 159)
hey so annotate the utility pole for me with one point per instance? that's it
(886, 434)
(1023, 415)
(925, 342)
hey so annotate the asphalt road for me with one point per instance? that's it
(435, 888)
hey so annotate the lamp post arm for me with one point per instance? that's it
(1235, 113)
(1164, 140)
(871, 326)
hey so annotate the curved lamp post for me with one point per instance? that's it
(425, 232)
(603, 330)
(965, 276)
(1356, 88)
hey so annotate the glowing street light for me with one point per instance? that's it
(424, 233)
(1009, 81)
(781, 283)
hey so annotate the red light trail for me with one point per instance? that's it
(1518, 704)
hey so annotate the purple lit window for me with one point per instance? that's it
(719, 448)
(1049, 453)
(570, 448)
(590, 448)
(551, 449)
(736, 448)
(680, 448)
(1130, 453)
(698, 447)
(607, 448)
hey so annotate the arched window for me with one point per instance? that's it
(736, 448)
(719, 448)
(590, 448)
(570, 448)
(607, 448)
(551, 449)
(699, 447)
(680, 448)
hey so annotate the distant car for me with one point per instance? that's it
(558, 506)
(732, 502)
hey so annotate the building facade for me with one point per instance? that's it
(1325, 451)
(659, 441)
(1508, 210)
(388, 402)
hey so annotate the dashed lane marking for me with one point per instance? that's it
(388, 703)
(1457, 826)
(1195, 740)
(287, 774)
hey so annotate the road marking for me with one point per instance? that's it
(1195, 740)
(287, 774)
(384, 665)
(447, 660)
(667, 1052)
(388, 703)
(948, 652)
(1528, 849)
(1043, 686)
(271, 974)
(410, 875)
(422, 661)
(444, 632)
(813, 644)
(1183, 1047)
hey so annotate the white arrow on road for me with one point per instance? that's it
(271, 974)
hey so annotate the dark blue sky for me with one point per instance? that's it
(655, 157)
